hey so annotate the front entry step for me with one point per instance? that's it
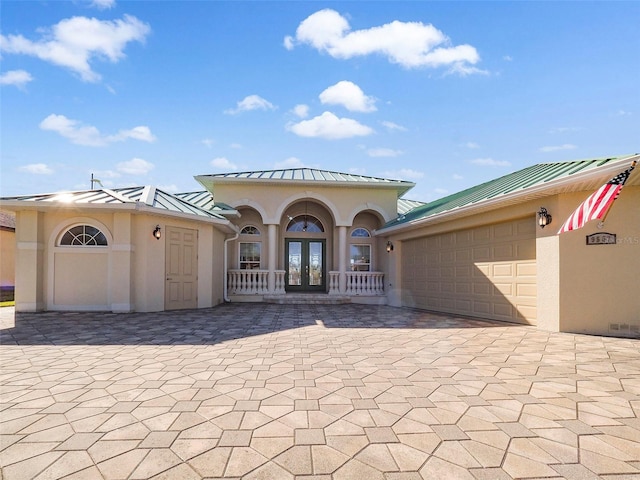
(307, 299)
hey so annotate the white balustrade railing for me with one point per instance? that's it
(334, 283)
(254, 282)
(365, 283)
(279, 287)
(358, 283)
(248, 282)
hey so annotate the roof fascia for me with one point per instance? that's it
(537, 191)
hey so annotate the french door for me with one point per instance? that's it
(305, 265)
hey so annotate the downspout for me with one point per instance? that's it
(225, 295)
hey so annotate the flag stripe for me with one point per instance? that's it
(597, 204)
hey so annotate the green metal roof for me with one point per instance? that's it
(510, 184)
(204, 199)
(150, 196)
(306, 175)
(405, 205)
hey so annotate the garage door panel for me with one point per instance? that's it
(503, 231)
(481, 234)
(503, 270)
(503, 252)
(488, 272)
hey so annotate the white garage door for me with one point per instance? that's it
(487, 272)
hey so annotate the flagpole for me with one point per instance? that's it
(601, 222)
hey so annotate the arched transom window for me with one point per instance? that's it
(305, 223)
(83, 236)
(360, 232)
(250, 230)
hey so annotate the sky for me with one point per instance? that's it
(444, 94)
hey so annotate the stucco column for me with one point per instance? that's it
(121, 271)
(342, 258)
(271, 258)
(30, 258)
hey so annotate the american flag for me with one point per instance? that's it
(598, 203)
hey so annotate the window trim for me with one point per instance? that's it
(368, 235)
(257, 232)
(68, 229)
(353, 264)
(248, 262)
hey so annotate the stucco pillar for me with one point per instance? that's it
(393, 278)
(271, 257)
(121, 264)
(342, 259)
(30, 258)
(548, 273)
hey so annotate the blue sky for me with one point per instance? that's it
(444, 94)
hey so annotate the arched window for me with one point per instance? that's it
(305, 223)
(360, 250)
(360, 232)
(83, 236)
(250, 230)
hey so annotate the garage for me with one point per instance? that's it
(487, 272)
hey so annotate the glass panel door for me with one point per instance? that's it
(294, 263)
(315, 263)
(305, 265)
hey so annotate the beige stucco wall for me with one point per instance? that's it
(126, 276)
(599, 283)
(344, 202)
(7, 257)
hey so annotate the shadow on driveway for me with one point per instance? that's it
(213, 325)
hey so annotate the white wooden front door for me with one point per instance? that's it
(181, 269)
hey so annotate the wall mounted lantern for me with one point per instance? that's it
(389, 246)
(544, 217)
(157, 232)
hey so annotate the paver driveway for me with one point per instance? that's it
(326, 392)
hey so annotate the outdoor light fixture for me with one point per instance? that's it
(157, 232)
(389, 247)
(544, 217)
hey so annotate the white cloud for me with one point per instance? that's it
(350, 96)
(89, 135)
(172, 188)
(330, 127)
(208, 142)
(622, 113)
(490, 162)
(403, 174)
(142, 133)
(288, 42)
(555, 148)
(409, 44)
(104, 174)
(36, 169)
(18, 78)
(235, 145)
(472, 145)
(291, 162)
(135, 166)
(103, 4)
(251, 102)
(301, 110)
(223, 164)
(394, 126)
(75, 42)
(384, 152)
